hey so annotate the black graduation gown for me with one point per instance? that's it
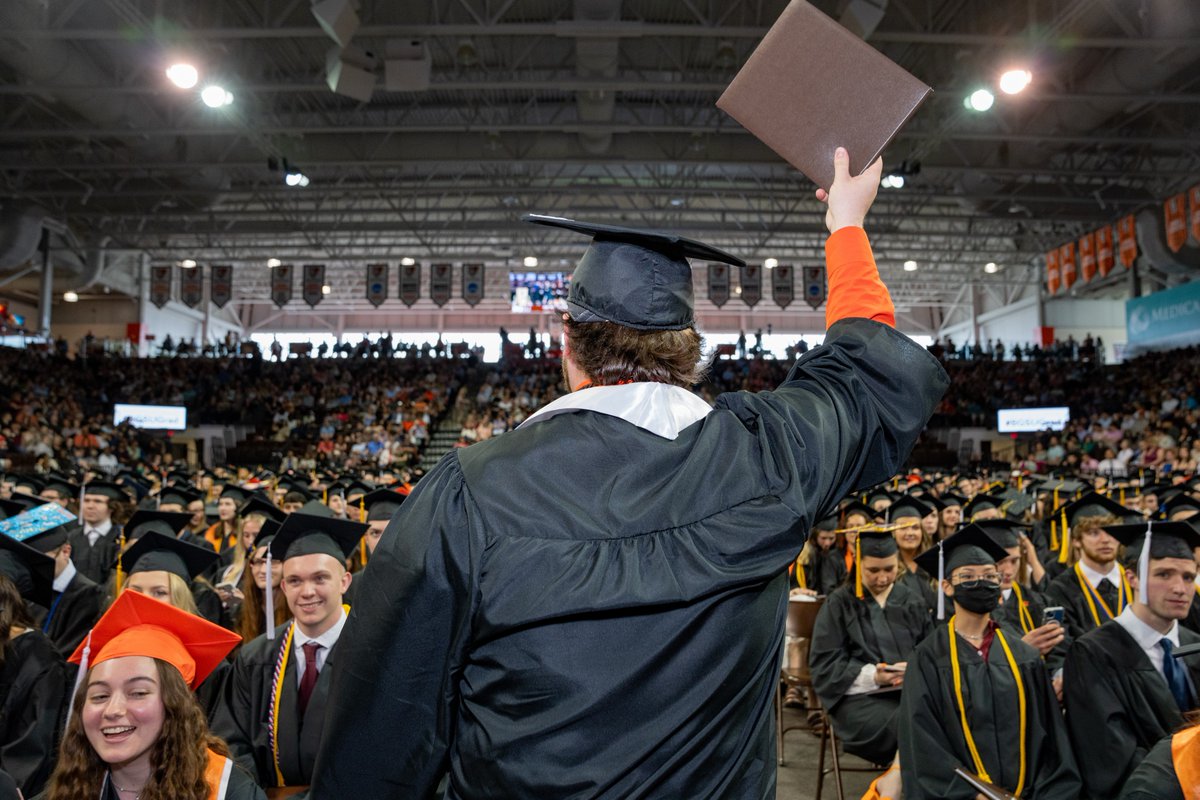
(1155, 777)
(1009, 615)
(1118, 705)
(616, 631)
(1065, 591)
(1192, 623)
(95, 562)
(242, 715)
(33, 695)
(931, 738)
(72, 614)
(8, 787)
(826, 572)
(920, 584)
(850, 633)
(241, 787)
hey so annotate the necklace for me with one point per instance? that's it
(969, 636)
(136, 792)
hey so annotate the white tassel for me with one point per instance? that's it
(1144, 567)
(270, 590)
(941, 580)
(81, 675)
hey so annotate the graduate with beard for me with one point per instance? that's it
(863, 638)
(977, 697)
(1124, 690)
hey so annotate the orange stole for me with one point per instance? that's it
(215, 776)
(1185, 752)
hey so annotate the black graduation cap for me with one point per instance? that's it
(308, 534)
(256, 504)
(107, 489)
(918, 489)
(1166, 539)
(28, 480)
(238, 494)
(1180, 504)
(858, 507)
(178, 495)
(381, 504)
(1004, 532)
(871, 543)
(640, 279)
(826, 523)
(879, 494)
(981, 502)
(970, 545)
(908, 507)
(953, 499)
(315, 508)
(1094, 504)
(158, 552)
(31, 571)
(167, 523)
(357, 487)
(19, 503)
(62, 486)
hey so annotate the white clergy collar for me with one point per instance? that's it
(660, 408)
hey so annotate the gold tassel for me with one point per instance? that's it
(120, 576)
(325, 496)
(362, 510)
(1053, 535)
(858, 565)
(362, 550)
(1064, 553)
(1122, 495)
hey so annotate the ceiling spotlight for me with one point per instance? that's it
(295, 178)
(979, 100)
(185, 76)
(531, 261)
(910, 266)
(187, 263)
(326, 289)
(990, 268)
(273, 262)
(1015, 80)
(70, 297)
(215, 96)
(892, 182)
(407, 261)
(770, 263)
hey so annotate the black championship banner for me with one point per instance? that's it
(377, 284)
(281, 284)
(191, 286)
(440, 278)
(472, 283)
(751, 284)
(814, 286)
(220, 289)
(410, 283)
(312, 284)
(160, 286)
(783, 285)
(718, 284)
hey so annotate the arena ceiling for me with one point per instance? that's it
(596, 109)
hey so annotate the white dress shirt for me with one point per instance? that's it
(62, 581)
(327, 640)
(1113, 576)
(1146, 637)
(94, 533)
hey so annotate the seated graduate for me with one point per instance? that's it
(273, 706)
(950, 513)
(1170, 765)
(977, 697)
(820, 568)
(1093, 590)
(1021, 604)
(376, 508)
(251, 620)
(135, 731)
(855, 517)
(862, 640)
(904, 517)
(1124, 691)
(168, 524)
(1178, 509)
(33, 680)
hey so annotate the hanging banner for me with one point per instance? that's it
(1104, 250)
(1127, 241)
(440, 278)
(814, 286)
(472, 283)
(160, 286)
(1177, 229)
(718, 284)
(410, 283)
(1087, 257)
(1052, 276)
(191, 286)
(377, 284)
(220, 289)
(281, 284)
(751, 284)
(783, 285)
(1066, 265)
(1194, 212)
(313, 283)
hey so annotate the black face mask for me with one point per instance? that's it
(981, 598)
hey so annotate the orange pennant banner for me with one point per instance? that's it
(1176, 226)
(1066, 264)
(1087, 257)
(1052, 276)
(1194, 212)
(1104, 250)
(1127, 240)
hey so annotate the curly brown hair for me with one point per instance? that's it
(13, 613)
(252, 623)
(178, 759)
(612, 354)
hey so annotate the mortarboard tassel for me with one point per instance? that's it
(82, 674)
(1064, 549)
(1053, 535)
(1144, 567)
(119, 579)
(941, 605)
(362, 550)
(325, 496)
(270, 591)
(1122, 495)
(858, 565)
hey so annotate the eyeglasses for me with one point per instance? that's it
(971, 581)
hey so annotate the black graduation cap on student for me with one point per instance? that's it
(980, 503)
(236, 493)
(381, 504)
(879, 494)
(167, 523)
(257, 504)
(19, 503)
(303, 534)
(1004, 532)
(155, 552)
(31, 571)
(107, 489)
(178, 495)
(29, 482)
(971, 545)
(908, 507)
(357, 488)
(639, 279)
(859, 507)
(1165, 539)
(1094, 504)
(62, 486)
(871, 544)
(1181, 504)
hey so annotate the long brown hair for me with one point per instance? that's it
(178, 758)
(254, 605)
(13, 613)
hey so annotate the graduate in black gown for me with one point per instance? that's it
(1170, 765)
(863, 638)
(905, 515)
(820, 568)
(1185, 508)
(977, 697)
(1124, 690)
(378, 506)
(273, 706)
(205, 598)
(76, 602)
(1093, 588)
(97, 539)
(33, 680)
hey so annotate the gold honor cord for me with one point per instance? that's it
(962, 710)
(1023, 612)
(1092, 596)
(1064, 552)
(276, 696)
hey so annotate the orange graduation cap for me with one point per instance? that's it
(137, 625)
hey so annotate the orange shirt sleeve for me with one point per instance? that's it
(855, 289)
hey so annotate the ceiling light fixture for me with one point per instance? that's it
(70, 297)
(187, 263)
(185, 76)
(273, 262)
(295, 178)
(770, 263)
(990, 268)
(531, 261)
(216, 96)
(407, 261)
(892, 182)
(910, 266)
(1014, 81)
(326, 289)
(979, 100)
